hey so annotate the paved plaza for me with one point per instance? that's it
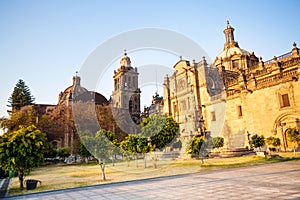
(269, 181)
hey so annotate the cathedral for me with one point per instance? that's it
(237, 96)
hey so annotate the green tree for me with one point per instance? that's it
(194, 146)
(218, 142)
(198, 147)
(100, 146)
(130, 145)
(136, 145)
(258, 141)
(80, 149)
(161, 130)
(23, 117)
(64, 152)
(273, 141)
(22, 150)
(294, 137)
(21, 96)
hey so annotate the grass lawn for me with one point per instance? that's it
(63, 176)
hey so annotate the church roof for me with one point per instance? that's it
(232, 51)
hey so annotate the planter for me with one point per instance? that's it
(31, 184)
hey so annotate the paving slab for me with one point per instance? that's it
(268, 181)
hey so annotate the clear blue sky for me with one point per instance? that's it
(45, 42)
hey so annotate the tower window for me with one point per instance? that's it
(239, 111)
(284, 101)
(235, 64)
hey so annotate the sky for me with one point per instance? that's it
(46, 42)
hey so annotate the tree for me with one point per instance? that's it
(21, 96)
(136, 145)
(25, 116)
(294, 137)
(64, 152)
(194, 146)
(272, 141)
(199, 147)
(80, 149)
(218, 142)
(258, 141)
(99, 145)
(22, 150)
(161, 130)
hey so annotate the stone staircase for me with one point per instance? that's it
(230, 152)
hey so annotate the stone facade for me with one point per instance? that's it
(237, 96)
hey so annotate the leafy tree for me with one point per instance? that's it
(161, 130)
(294, 137)
(272, 141)
(21, 96)
(100, 146)
(64, 152)
(218, 142)
(50, 151)
(130, 145)
(25, 116)
(22, 150)
(198, 147)
(194, 146)
(80, 149)
(258, 141)
(136, 145)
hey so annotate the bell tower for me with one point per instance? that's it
(126, 94)
(229, 36)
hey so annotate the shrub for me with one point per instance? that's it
(258, 141)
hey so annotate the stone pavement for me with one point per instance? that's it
(269, 181)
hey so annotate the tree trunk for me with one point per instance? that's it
(102, 167)
(21, 179)
(136, 161)
(145, 161)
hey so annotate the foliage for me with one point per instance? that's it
(161, 130)
(21, 96)
(273, 141)
(23, 117)
(258, 141)
(100, 145)
(136, 145)
(50, 151)
(64, 152)
(22, 150)
(82, 151)
(194, 146)
(294, 137)
(218, 142)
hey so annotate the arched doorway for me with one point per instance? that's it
(282, 124)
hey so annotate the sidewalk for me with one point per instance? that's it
(269, 181)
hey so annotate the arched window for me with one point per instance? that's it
(130, 106)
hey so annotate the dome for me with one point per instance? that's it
(232, 51)
(95, 97)
(125, 61)
(73, 90)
